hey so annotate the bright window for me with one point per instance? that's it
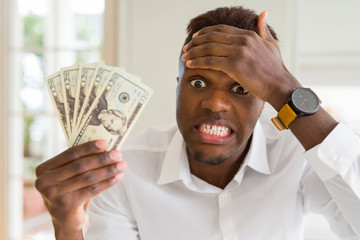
(45, 36)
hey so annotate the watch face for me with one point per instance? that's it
(305, 100)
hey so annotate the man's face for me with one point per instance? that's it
(215, 115)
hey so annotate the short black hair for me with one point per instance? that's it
(239, 17)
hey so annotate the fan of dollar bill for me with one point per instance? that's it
(96, 101)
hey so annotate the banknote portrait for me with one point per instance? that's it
(113, 121)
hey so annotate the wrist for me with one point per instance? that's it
(62, 235)
(282, 91)
(303, 102)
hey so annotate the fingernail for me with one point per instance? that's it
(195, 34)
(184, 56)
(119, 176)
(185, 48)
(114, 155)
(101, 143)
(188, 63)
(122, 166)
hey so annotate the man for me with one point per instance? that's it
(221, 173)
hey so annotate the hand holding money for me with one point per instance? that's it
(92, 101)
(95, 101)
(68, 181)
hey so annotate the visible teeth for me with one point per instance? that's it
(222, 132)
(214, 130)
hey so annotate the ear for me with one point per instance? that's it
(264, 31)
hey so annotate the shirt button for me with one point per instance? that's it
(224, 195)
(333, 156)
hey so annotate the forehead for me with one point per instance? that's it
(209, 75)
(185, 72)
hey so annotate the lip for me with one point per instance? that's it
(213, 139)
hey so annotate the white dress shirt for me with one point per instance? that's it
(160, 199)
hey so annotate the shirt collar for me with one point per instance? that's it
(257, 156)
(176, 161)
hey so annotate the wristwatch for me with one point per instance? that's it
(303, 101)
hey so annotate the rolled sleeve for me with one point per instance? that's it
(339, 152)
(336, 161)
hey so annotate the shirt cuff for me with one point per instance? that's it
(335, 154)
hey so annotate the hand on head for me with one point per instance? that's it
(253, 60)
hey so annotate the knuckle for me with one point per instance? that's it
(204, 30)
(88, 177)
(51, 194)
(210, 61)
(39, 170)
(208, 46)
(211, 36)
(94, 188)
(219, 27)
(111, 170)
(253, 34)
(71, 153)
(103, 158)
(189, 53)
(39, 185)
(242, 51)
(78, 167)
(81, 150)
(249, 40)
(90, 146)
(246, 40)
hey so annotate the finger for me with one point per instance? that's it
(264, 30)
(219, 34)
(209, 62)
(208, 49)
(92, 177)
(84, 194)
(77, 167)
(72, 200)
(72, 154)
(215, 37)
(222, 28)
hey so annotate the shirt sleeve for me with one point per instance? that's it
(110, 217)
(331, 185)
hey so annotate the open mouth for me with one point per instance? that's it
(218, 131)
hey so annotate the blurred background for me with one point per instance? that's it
(319, 39)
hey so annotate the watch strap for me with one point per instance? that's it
(285, 116)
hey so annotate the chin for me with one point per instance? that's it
(210, 160)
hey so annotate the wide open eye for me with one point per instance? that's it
(198, 83)
(239, 89)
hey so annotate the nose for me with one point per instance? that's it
(217, 101)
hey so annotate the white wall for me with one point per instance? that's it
(329, 42)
